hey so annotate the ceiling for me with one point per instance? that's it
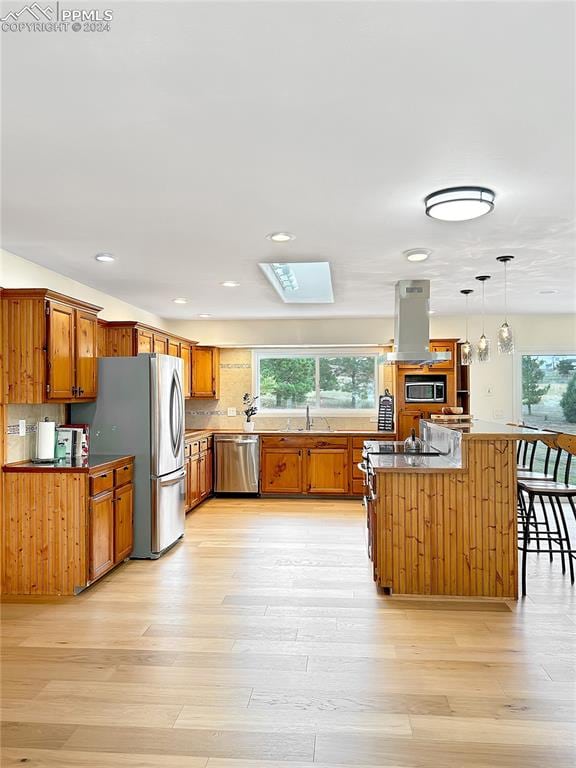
(185, 134)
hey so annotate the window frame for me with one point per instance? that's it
(316, 352)
(517, 372)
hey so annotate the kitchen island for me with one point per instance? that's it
(445, 524)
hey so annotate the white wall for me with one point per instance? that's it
(16, 272)
(493, 384)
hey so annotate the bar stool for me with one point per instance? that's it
(556, 536)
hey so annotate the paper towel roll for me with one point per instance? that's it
(45, 435)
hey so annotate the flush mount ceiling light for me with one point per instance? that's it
(204, 314)
(280, 237)
(230, 284)
(417, 254)
(105, 257)
(459, 203)
(547, 291)
(180, 301)
(431, 311)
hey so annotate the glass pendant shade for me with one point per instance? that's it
(483, 346)
(466, 353)
(505, 340)
(483, 349)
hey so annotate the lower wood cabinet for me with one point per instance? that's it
(101, 535)
(64, 528)
(327, 470)
(199, 461)
(282, 470)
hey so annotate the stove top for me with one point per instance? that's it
(395, 448)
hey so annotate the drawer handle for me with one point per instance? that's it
(126, 467)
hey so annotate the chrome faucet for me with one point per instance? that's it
(308, 419)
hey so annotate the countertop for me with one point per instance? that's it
(195, 434)
(486, 430)
(86, 465)
(386, 462)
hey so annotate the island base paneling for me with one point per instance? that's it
(450, 533)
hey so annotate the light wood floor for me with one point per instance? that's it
(260, 640)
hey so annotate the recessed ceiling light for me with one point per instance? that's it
(105, 257)
(431, 311)
(230, 284)
(417, 254)
(180, 301)
(459, 203)
(280, 237)
(548, 291)
(204, 314)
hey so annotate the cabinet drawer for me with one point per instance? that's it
(101, 481)
(194, 447)
(204, 444)
(356, 459)
(123, 474)
(187, 449)
(304, 441)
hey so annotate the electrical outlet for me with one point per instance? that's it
(22, 427)
(498, 414)
(231, 411)
(373, 419)
(488, 390)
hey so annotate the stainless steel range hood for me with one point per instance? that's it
(412, 325)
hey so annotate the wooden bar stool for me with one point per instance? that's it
(552, 531)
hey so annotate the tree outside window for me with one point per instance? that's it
(549, 391)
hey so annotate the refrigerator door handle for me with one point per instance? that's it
(173, 481)
(176, 413)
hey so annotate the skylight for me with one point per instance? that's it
(301, 282)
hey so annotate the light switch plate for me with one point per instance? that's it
(22, 427)
(231, 411)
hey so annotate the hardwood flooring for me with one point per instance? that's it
(260, 642)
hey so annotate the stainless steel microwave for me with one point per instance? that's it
(425, 392)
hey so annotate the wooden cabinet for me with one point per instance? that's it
(144, 342)
(160, 344)
(409, 420)
(123, 522)
(101, 534)
(282, 470)
(86, 355)
(205, 372)
(327, 470)
(50, 347)
(186, 357)
(199, 471)
(444, 345)
(173, 348)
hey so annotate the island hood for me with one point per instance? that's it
(412, 325)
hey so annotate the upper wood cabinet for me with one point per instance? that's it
(206, 372)
(50, 347)
(129, 338)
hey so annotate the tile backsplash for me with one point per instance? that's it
(23, 448)
(235, 380)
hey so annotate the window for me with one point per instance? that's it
(328, 381)
(549, 391)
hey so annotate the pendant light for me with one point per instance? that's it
(466, 349)
(483, 346)
(505, 338)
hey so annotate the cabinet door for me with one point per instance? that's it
(282, 470)
(101, 534)
(102, 347)
(160, 344)
(439, 346)
(123, 526)
(209, 472)
(204, 375)
(145, 341)
(60, 352)
(86, 355)
(327, 470)
(186, 357)
(407, 421)
(194, 480)
(202, 476)
(174, 348)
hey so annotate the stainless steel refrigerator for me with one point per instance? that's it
(140, 411)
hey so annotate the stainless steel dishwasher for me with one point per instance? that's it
(237, 463)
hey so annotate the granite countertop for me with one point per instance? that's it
(485, 430)
(85, 465)
(193, 434)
